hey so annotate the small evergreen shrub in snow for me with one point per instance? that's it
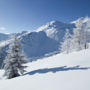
(13, 63)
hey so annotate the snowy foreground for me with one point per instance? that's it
(59, 72)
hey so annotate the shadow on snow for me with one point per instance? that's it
(57, 69)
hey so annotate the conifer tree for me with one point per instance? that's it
(13, 63)
(65, 45)
(80, 36)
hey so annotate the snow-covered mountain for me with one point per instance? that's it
(37, 44)
(56, 29)
(46, 39)
(84, 19)
(59, 72)
(4, 37)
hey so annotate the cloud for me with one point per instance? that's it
(2, 28)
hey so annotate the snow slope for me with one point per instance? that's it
(37, 44)
(59, 72)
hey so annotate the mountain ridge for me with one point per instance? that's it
(44, 40)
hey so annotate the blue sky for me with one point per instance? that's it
(19, 15)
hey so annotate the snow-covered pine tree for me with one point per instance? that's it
(77, 36)
(2, 56)
(65, 45)
(80, 36)
(85, 36)
(13, 63)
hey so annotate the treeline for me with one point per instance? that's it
(78, 41)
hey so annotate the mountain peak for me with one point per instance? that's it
(51, 24)
(84, 20)
(54, 22)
